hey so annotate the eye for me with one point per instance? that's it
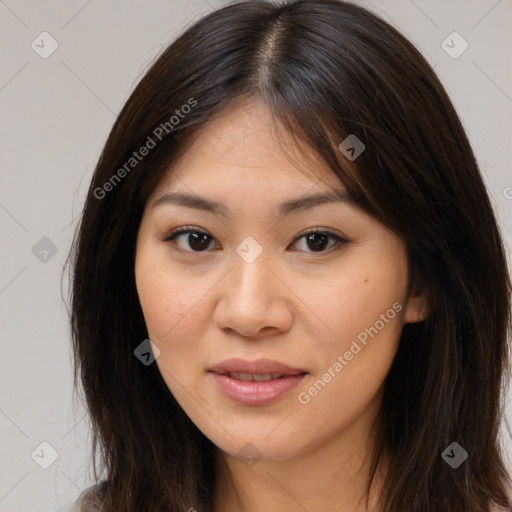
(200, 241)
(317, 240)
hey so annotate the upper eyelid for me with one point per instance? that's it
(313, 229)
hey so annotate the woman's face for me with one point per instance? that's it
(273, 340)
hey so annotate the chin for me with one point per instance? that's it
(259, 447)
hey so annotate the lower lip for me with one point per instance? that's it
(256, 392)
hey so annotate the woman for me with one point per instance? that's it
(290, 291)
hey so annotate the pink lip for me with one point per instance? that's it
(257, 366)
(255, 392)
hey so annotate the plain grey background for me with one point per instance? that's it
(57, 110)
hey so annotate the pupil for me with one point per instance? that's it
(193, 239)
(316, 245)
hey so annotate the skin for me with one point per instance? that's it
(292, 304)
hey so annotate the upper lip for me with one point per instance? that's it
(257, 366)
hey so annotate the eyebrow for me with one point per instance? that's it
(293, 205)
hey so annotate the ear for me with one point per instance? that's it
(417, 308)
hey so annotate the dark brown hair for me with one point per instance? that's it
(325, 69)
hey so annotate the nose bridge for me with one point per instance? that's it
(251, 298)
(251, 278)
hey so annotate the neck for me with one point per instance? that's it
(331, 476)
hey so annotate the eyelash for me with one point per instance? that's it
(340, 241)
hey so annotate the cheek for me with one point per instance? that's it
(175, 319)
(167, 301)
(177, 314)
(156, 298)
(364, 312)
(361, 295)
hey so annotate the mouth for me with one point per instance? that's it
(260, 377)
(255, 382)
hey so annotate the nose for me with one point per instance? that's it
(254, 302)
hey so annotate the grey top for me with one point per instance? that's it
(72, 506)
(75, 505)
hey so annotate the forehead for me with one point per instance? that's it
(244, 146)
